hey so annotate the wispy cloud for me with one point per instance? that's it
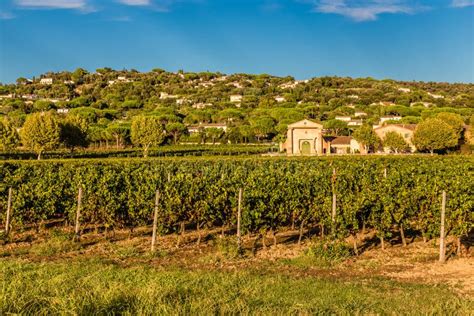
(6, 16)
(365, 10)
(136, 2)
(462, 3)
(52, 4)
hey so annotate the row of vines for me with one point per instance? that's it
(382, 193)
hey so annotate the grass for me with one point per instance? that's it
(98, 287)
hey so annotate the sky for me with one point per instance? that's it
(422, 40)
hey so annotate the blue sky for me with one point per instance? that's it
(399, 39)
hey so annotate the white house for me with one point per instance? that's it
(236, 98)
(360, 114)
(165, 95)
(47, 81)
(384, 119)
(343, 118)
(355, 123)
(204, 126)
(280, 99)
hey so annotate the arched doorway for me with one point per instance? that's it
(305, 148)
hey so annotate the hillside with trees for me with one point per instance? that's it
(99, 109)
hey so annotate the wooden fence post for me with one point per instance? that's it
(334, 201)
(239, 215)
(9, 210)
(78, 214)
(155, 221)
(442, 246)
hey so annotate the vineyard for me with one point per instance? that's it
(338, 196)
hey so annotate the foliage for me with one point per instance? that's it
(366, 136)
(74, 132)
(434, 134)
(9, 137)
(41, 132)
(277, 192)
(335, 126)
(395, 142)
(147, 131)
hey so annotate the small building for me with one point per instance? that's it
(280, 99)
(62, 111)
(341, 145)
(165, 95)
(405, 130)
(236, 98)
(47, 81)
(360, 114)
(343, 118)
(355, 123)
(307, 138)
(203, 126)
(384, 119)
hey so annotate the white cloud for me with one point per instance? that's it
(6, 16)
(364, 10)
(462, 3)
(53, 4)
(136, 2)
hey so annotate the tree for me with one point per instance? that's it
(43, 105)
(454, 120)
(263, 127)
(434, 134)
(176, 130)
(119, 131)
(214, 133)
(41, 132)
(366, 136)
(147, 131)
(395, 142)
(8, 135)
(335, 126)
(74, 131)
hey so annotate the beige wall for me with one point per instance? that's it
(406, 133)
(296, 136)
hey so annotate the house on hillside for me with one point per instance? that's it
(47, 81)
(341, 145)
(405, 130)
(236, 98)
(203, 126)
(384, 119)
(307, 138)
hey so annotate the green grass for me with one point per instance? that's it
(96, 287)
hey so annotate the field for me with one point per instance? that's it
(376, 254)
(48, 273)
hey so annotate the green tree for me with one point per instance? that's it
(263, 127)
(454, 120)
(176, 130)
(120, 132)
(147, 131)
(434, 134)
(8, 135)
(41, 132)
(366, 136)
(214, 133)
(394, 142)
(74, 131)
(335, 127)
